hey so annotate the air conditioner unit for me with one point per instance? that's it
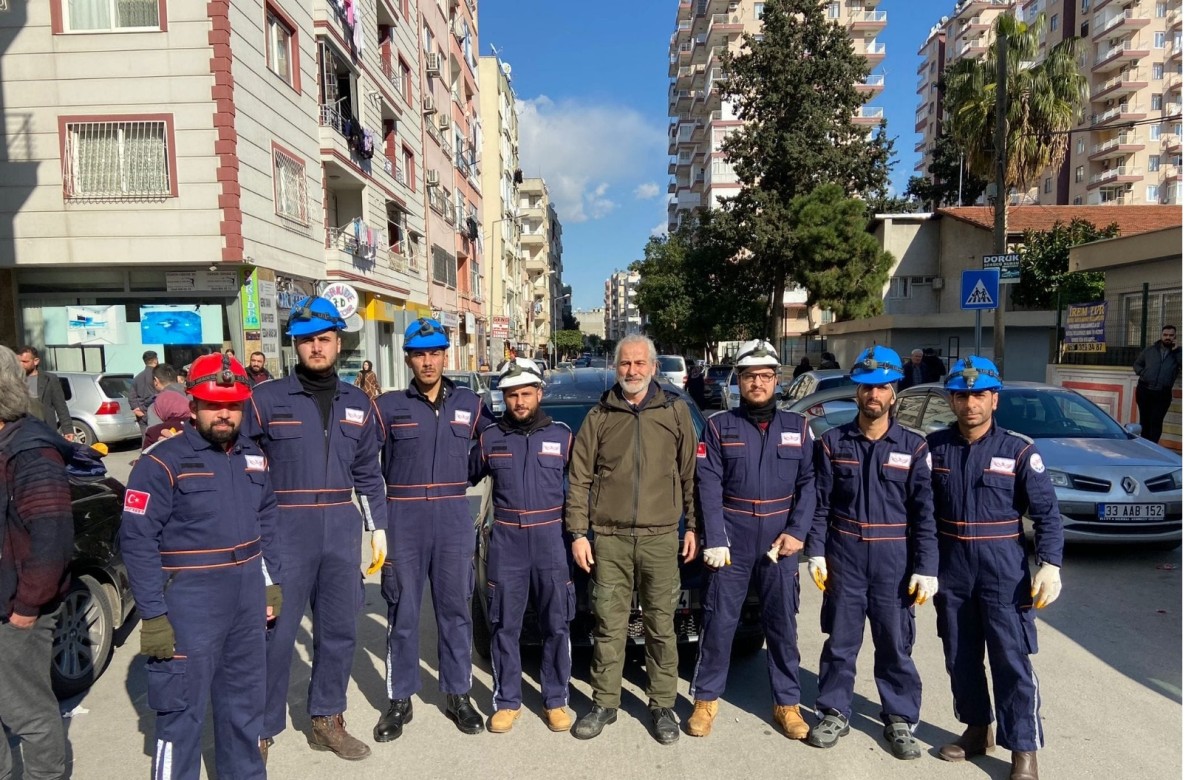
(431, 178)
(433, 62)
(443, 122)
(938, 282)
(427, 105)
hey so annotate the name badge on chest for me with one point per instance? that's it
(256, 463)
(900, 460)
(355, 416)
(791, 439)
(1003, 465)
(462, 416)
(551, 448)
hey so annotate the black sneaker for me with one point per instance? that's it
(666, 727)
(593, 723)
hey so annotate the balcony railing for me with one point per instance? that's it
(876, 48)
(1113, 143)
(1114, 112)
(1114, 173)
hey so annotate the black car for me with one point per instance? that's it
(99, 599)
(715, 378)
(567, 397)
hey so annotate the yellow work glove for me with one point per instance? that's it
(378, 550)
(1046, 586)
(818, 571)
(924, 587)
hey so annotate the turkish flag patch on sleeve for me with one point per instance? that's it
(701, 450)
(136, 501)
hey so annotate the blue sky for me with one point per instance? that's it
(592, 81)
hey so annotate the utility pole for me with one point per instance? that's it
(1000, 237)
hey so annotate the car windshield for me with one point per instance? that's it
(669, 363)
(834, 381)
(494, 381)
(719, 373)
(1049, 413)
(459, 378)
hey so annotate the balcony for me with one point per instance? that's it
(1175, 48)
(974, 26)
(1172, 144)
(1124, 83)
(672, 166)
(1173, 109)
(868, 115)
(1121, 175)
(1175, 17)
(975, 47)
(1121, 146)
(1174, 83)
(1172, 173)
(724, 24)
(1113, 57)
(1119, 25)
(1107, 198)
(1120, 113)
(874, 52)
(865, 21)
(872, 85)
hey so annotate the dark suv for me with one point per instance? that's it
(567, 398)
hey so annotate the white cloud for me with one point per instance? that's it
(580, 148)
(659, 229)
(646, 191)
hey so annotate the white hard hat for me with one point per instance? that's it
(756, 352)
(519, 372)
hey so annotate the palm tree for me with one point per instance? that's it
(1046, 97)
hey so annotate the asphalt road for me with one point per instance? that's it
(1110, 670)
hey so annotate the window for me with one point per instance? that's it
(1155, 162)
(121, 160)
(1157, 71)
(283, 51)
(1047, 186)
(1080, 145)
(834, 10)
(908, 409)
(445, 269)
(1160, 40)
(900, 287)
(1053, 22)
(1078, 201)
(108, 15)
(410, 169)
(1079, 174)
(938, 414)
(1155, 132)
(1160, 10)
(1162, 306)
(1156, 103)
(1085, 4)
(1152, 193)
(406, 81)
(291, 186)
(758, 10)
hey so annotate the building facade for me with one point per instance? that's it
(541, 258)
(621, 314)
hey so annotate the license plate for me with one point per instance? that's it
(1133, 511)
(685, 601)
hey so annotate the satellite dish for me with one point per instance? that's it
(506, 68)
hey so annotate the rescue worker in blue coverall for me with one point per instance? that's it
(984, 479)
(200, 542)
(526, 454)
(323, 438)
(755, 475)
(873, 551)
(429, 429)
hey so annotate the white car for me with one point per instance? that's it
(673, 368)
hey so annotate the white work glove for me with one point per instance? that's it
(818, 571)
(378, 551)
(1046, 585)
(925, 587)
(716, 557)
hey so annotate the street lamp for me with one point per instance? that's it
(553, 317)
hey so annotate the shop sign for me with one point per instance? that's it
(250, 308)
(499, 327)
(343, 296)
(202, 281)
(470, 324)
(269, 317)
(1084, 331)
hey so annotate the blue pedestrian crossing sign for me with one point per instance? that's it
(980, 289)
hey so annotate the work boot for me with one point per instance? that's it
(832, 727)
(703, 715)
(329, 733)
(791, 721)
(502, 721)
(1024, 765)
(593, 723)
(459, 710)
(899, 735)
(975, 741)
(666, 728)
(558, 719)
(391, 723)
(264, 747)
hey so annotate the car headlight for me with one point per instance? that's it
(1060, 478)
(1176, 479)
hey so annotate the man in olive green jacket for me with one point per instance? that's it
(631, 479)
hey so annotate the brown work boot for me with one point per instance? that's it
(264, 747)
(558, 719)
(502, 721)
(700, 724)
(1024, 765)
(975, 741)
(329, 733)
(791, 721)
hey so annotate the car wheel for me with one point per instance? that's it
(82, 638)
(83, 432)
(481, 630)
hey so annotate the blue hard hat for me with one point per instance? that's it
(974, 373)
(426, 333)
(877, 366)
(314, 315)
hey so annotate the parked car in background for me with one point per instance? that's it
(567, 397)
(815, 380)
(715, 379)
(1112, 485)
(99, 406)
(472, 380)
(540, 363)
(825, 409)
(731, 392)
(672, 368)
(583, 361)
(497, 396)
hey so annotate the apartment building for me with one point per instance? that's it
(541, 257)
(508, 291)
(591, 322)
(257, 152)
(451, 140)
(621, 314)
(701, 118)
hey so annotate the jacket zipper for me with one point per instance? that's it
(637, 468)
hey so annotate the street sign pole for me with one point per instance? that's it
(978, 331)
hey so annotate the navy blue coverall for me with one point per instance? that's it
(199, 540)
(753, 485)
(317, 473)
(980, 493)
(874, 526)
(431, 534)
(527, 550)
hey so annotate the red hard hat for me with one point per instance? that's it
(218, 378)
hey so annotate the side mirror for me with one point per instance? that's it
(1133, 428)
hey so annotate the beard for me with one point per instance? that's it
(633, 386)
(216, 432)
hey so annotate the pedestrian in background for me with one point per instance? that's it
(873, 552)
(142, 393)
(916, 370)
(50, 404)
(37, 538)
(367, 381)
(1158, 368)
(257, 370)
(936, 369)
(632, 476)
(828, 361)
(985, 480)
(755, 475)
(198, 536)
(166, 382)
(803, 367)
(171, 408)
(525, 453)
